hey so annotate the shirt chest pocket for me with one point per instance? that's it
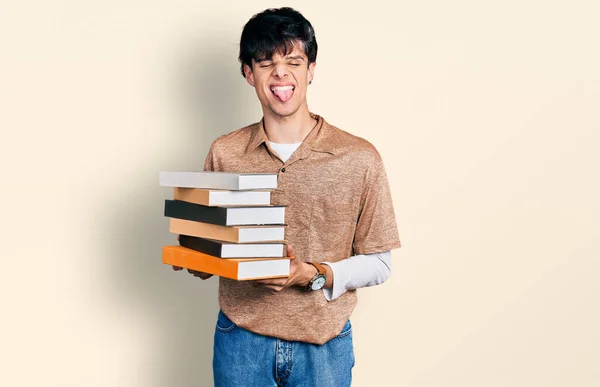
(331, 229)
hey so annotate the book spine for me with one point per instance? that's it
(205, 180)
(202, 245)
(194, 260)
(204, 230)
(195, 212)
(192, 195)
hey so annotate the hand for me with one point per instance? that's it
(199, 274)
(300, 274)
(195, 273)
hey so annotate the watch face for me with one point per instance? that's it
(318, 283)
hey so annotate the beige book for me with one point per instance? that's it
(211, 197)
(235, 234)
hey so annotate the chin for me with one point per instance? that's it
(284, 111)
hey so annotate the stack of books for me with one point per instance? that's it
(227, 225)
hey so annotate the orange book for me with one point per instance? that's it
(239, 269)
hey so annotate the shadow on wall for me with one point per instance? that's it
(181, 308)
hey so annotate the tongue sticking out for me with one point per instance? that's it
(283, 95)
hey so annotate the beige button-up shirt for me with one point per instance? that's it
(338, 205)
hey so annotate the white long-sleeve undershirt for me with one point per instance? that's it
(357, 272)
(354, 272)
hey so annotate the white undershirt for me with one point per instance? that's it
(284, 150)
(354, 272)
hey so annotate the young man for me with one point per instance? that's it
(341, 225)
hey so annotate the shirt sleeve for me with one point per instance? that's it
(376, 229)
(209, 162)
(357, 272)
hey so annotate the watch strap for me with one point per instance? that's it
(320, 268)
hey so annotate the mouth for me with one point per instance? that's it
(283, 93)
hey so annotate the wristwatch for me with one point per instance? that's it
(318, 281)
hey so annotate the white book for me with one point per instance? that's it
(218, 180)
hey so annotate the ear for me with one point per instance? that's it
(311, 71)
(249, 75)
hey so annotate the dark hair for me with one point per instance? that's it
(276, 30)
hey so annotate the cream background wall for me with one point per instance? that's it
(486, 115)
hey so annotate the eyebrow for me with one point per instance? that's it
(295, 57)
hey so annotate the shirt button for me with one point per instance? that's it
(283, 169)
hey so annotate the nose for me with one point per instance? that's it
(280, 70)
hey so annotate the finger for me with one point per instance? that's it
(177, 268)
(201, 275)
(290, 251)
(178, 236)
(274, 288)
(278, 282)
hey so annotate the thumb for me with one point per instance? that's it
(290, 251)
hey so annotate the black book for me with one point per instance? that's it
(232, 250)
(225, 216)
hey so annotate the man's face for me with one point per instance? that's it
(280, 82)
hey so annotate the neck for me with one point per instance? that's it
(289, 129)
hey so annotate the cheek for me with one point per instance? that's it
(301, 74)
(260, 87)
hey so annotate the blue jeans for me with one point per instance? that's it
(245, 359)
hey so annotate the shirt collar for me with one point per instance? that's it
(316, 140)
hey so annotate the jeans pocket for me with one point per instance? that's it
(346, 330)
(224, 324)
